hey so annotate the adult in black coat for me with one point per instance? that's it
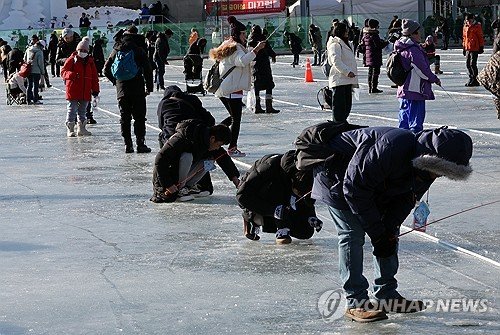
(14, 60)
(67, 45)
(160, 58)
(131, 94)
(55, 68)
(373, 46)
(187, 156)
(275, 195)
(262, 75)
(98, 54)
(295, 44)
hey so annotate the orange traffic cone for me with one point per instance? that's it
(309, 73)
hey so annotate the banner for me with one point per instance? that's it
(244, 7)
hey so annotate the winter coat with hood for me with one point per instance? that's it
(65, 49)
(34, 55)
(341, 58)
(418, 83)
(373, 46)
(80, 77)
(194, 137)
(262, 74)
(268, 184)
(134, 86)
(231, 53)
(472, 36)
(381, 171)
(177, 106)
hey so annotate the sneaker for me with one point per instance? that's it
(400, 305)
(91, 120)
(251, 230)
(197, 193)
(234, 152)
(365, 315)
(184, 195)
(283, 236)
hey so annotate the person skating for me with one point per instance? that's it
(80, 77)
(131, 93)
(186, 157)
(373, 46)
(417, 87)
(473, 45)
(262, 75)
(274, 196)
(370, 188)
(232, 54)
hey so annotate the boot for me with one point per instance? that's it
(129, 148)
(251, 230)
(283, 236)
(437, 69)
(269, 105)
(142, 147)
(81, 129)
(71, 129)
(375, 84)
(258, 107)
(365, 314)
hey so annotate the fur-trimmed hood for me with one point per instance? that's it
(226, 49)
(444, 152)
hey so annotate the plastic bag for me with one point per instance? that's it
(420, 216)
(251, 100)
(95, 101)
(356, 92)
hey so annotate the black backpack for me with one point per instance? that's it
(214, 79)
(395, 69)
(312, 144)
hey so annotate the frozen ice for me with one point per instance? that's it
(83, 251)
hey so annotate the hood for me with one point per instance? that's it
(191, 99)
(403, 43)
(226, 49)
(445, 152)
(302, 181)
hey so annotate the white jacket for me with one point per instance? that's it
(341, 58)
(241, 77)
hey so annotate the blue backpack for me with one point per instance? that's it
(124, 66)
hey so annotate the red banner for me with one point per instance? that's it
(240, 7)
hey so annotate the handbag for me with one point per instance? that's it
(25, 70)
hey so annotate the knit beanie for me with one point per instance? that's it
(67, 32)
(236, 27)
(409, 27)
(84, 44)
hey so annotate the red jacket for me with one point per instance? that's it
(80, 77)
(472, 37)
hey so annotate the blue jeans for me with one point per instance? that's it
(76, 107)
(411, 114)
(351, 237)
(33, 84)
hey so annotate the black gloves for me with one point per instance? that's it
(385, 246)
(315, 223)
(282, 212)
(464, 52)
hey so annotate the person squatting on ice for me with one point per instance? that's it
(131, 94)
(262, 75)
(417, 87)
(234, 57)
(186, 157)
(80, 77)
(343, 73)
(274, 195)
(430, 50)
(370, 188)
(373, 45)
(175, 107)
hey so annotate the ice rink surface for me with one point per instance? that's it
(84, 251)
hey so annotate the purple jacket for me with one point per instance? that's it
(373, 47)
(418, 84)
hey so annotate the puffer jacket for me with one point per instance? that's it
(341, 58)
(373, 46)
(382, 171)
(65, 49)
(34, 55)
(418, 83)
(472, 36)
(231, 53)
(80, 77)
(191, 136)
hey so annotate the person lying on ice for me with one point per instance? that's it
(185, 159)
(370, 189)
(275, 195)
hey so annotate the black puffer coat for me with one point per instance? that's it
(262, 75)
(65, 49)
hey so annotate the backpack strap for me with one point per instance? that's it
(228, 72)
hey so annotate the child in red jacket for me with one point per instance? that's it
(80, 76)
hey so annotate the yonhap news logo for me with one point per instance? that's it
(331, 305)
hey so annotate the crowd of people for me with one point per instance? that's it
(370, 178)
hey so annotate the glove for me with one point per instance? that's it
(463, 52)
(481, 50)
(385, 246)
(315, 223)
(282, 212)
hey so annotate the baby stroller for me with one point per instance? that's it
(14, 96)
(193, 66)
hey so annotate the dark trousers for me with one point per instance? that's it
(269, 91)
(234, 107)
(296, 59)
(55, 69)
(342, 102)
(373, 74)
(317, 56)
(472, 64)
(33, 84)
(132, 107)
(159, 72)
